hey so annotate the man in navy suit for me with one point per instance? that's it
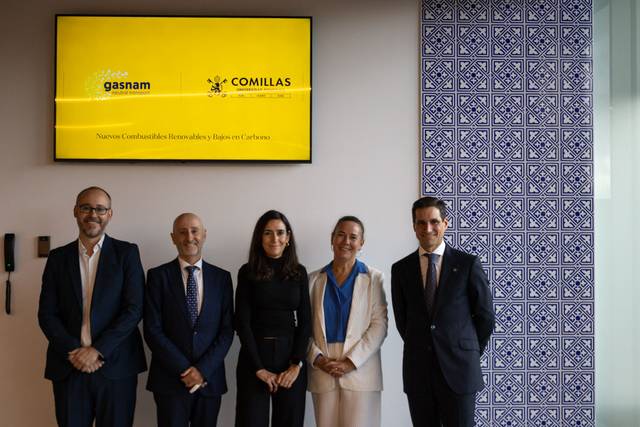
(444, 313)
(90, 306)
(188, 327)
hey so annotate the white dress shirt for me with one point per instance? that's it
(88, 269)
(198, 275)
(424, 263)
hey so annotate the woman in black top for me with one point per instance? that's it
(273, 322)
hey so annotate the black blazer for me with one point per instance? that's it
(116, 309)
(460, 327)
(174, 344)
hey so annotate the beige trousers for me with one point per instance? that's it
(346, 408)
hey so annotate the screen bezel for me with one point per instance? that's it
(141, 160)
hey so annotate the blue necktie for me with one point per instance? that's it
(432, 282)
(192, 294)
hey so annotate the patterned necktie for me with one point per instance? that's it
(431, 284)
(192, 294)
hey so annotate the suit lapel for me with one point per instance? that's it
(176, 286)
(416, 278)
(106, 265)
(73, 265)
(359, 302)
(447, 268)
(319, 291)
(208, 290)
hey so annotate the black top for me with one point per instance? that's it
(272, 308)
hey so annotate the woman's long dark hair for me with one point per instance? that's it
(259, 261)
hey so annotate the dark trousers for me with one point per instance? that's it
(192, 410)
(252, 403)
(440, 406)
(80, 398)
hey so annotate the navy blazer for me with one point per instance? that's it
(174, 344)
(460, 327)
(116, 309)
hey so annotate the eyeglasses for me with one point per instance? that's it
(99, 210)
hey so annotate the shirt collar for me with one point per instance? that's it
(96, 248)
(438, 251)
(184, 264)
(359, 267)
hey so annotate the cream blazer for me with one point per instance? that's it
(366, 330)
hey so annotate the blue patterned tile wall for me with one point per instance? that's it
(507, 141)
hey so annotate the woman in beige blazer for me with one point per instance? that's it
(349, 324)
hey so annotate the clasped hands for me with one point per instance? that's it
(284, 379)
(86, 359)
(192, 377)
(335, 368)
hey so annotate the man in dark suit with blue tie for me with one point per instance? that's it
(90, 306)
(188, 327)
(444, 313)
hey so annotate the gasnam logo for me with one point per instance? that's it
(126, 85)
(104, 84)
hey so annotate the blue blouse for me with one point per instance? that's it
(337, 302)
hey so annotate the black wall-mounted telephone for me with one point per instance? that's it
(9, 246)
(9, 266)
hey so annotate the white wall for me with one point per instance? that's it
(617, 201)
(365, 162)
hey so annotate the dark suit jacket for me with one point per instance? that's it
(460, 327)
(174, 344)
(116, 309)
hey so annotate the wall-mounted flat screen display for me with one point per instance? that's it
(183, 88)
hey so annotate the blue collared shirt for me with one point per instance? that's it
(337, 302)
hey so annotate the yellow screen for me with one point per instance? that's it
(183, 88)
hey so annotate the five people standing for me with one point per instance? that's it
(334, 321)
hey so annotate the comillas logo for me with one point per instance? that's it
(216, 86)
(266, 82)
(245, 84)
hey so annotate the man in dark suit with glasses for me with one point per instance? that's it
(90, 305)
